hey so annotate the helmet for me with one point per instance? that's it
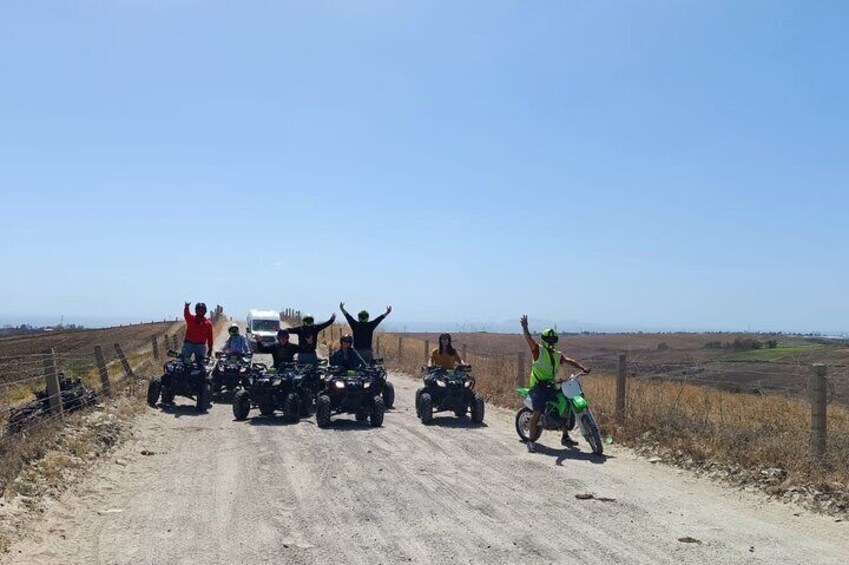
(233, 329)
(444, 336)
(363, 316)
(199, 306)
(281, 332)
(308, 320)
(549, 336)
(346, 339)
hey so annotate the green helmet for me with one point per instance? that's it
(308, 320)
(363, 316)
(550, 337)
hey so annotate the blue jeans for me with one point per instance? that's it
(196, 349)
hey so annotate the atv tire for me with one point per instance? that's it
(388, 395)
(378, 408)
(204, 398)
(167, 395)
(241, 405)
(292, 407)
(419, 400)
(153, 390)
(322, 411)
(426, 409)
(266, 408)
(478, 409)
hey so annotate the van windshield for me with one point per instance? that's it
(266, 325)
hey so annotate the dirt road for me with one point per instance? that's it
(262, 491)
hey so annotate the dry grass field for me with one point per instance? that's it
(749, 433)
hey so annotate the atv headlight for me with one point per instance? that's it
(366, 385)
(467, 384)
(440, 383)
(339, 384)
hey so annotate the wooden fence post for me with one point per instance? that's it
(819, 402)
(465, 352)
(377, 346)
(128, 371)
(399, 349)
(155, 344)
(52, 377)
(427, 350)
(520, 369)
(620, 389)
(105, 385)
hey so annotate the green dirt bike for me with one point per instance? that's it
(568, 408)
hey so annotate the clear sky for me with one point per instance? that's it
(651, 164)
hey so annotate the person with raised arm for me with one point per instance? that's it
(363, 330)
(546, 360)
(307, 334)
(198, 340)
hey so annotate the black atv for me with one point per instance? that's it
(290, 388)
(183, 378)
(452, 390)
(231, 371)
(75, 395)
(352, 392)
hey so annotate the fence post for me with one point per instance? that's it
(128, 371)
(52, 377)
(620, 389)
(427, 350)
(818, 411)
(520, 369)
(155, 344)
(105, 385)
(465, 353)
(399, 349)
(377, 346)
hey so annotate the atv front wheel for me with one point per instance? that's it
(426, 408)
(523, 425)
(266, 408)
(388, 395)
(292, 408)
(377, 410)
(322, 411)
(167, 395)
(241, 405)
(419, 401)
(478, 408)
(204, 399)
(153, 390)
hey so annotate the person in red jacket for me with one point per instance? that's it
(198, 333)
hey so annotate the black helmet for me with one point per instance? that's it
(308, 320)
(346, 339)
(200, 305)
(281, 332)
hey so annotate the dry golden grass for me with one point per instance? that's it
(690, 421)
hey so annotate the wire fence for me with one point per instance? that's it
(791, 414)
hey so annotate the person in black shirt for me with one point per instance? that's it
(346, 357)
(283, 351)
(307, 334)
(363, 330)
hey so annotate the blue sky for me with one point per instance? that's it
(632, 164)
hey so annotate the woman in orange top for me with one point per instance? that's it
(445, 356)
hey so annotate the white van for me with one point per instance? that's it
(262, 326)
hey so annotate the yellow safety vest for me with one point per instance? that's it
(545, 368)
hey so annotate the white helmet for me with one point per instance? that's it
(233, 326)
